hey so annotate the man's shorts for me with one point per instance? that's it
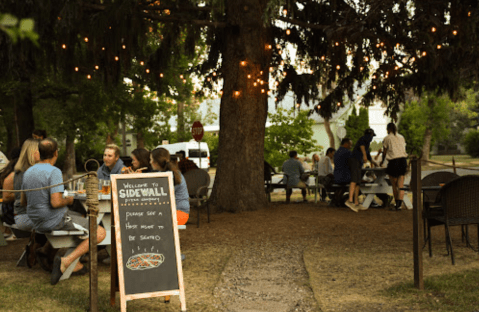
(301, 184)
(355, 168)
(69, 218)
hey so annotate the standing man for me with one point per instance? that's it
(293, 170)
(47, 208)
(112, 164)
(185, 164)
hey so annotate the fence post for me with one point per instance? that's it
(454, 165)
(417, 218)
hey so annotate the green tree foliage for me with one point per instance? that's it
(16, 29)
(289, 130)
(356, 124)
(431, 113)
(471, 143)
(212, 141)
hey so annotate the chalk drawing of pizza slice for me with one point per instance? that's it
(145, 261)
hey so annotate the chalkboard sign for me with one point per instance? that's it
(146, 234)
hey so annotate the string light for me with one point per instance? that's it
(86, 39)
(284, 74)
(377, 45)
(142, 63)
(258, 80)
(398, 45)
(276, 99)
(262, 90)
(413, 59)
(361, 68)
(147, 71)
(64, 46)
(261, 82)
(374, 76)
(161, 75)
(271, 69)
(298, 105)
(116, 58)
(276, 83)
(288, 32)
(249, 76)
(285, 12)
(221, 92)
(124, 47)
(237, 93)
(319, 106)
(433, 29)
(184, 80)
(338, 67)
(423, 53)
(181, 76)
(339, 104)
(468, 13)
(269, 92)
(366, 59)
(374, 87)
(280, 52)
(382, 44)
(278, 46)
(454, 32)
(336, 44)
(97, 67)
(322, 58)
(269, 47)
(208, 79)
(88, 76)
(282, 63)
(439, 47)
(396, 67)
(261, 72)
(76, 69)
(243, 63)
(214, 73)
(255, 84)
(103, 48)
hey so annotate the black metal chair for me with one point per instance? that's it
(460, 201)
(198, 181)
(431, 205)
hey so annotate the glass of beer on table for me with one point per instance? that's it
(106, 187)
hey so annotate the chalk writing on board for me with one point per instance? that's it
(145, 261)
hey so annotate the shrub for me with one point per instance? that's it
(471, 143)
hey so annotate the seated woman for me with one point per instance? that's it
(160, 161)
(28, 157)
(140, 162)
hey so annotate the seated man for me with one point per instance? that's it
(47, 209)
(326, 173)
(185, 164)
(293, 170)
(112, 164)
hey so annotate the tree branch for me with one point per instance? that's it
(174, 8)
(182, 20)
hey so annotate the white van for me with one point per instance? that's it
(192, 152)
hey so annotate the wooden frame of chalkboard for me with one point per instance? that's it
(146, 237)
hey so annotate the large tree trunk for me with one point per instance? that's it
(8, 116)
(24, 111)
(427, 145)
(239, 182)
(140, 140)
(327, 126)
(69, 166)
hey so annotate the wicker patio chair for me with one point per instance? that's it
(431, 206)
(198, 181)
(460, 201)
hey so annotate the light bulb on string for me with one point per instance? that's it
(454, 32)
(116, 58)
(214, 73)
(285, 12)
(237, 93)
(103, 48)
(269, 47)
(64, 46)
(374, 87)
(208, 79)
(76, 69)
(269, 92)
(280, 52)
(97, 67)
(86, 39)
(255, 84)
(88, 76)
(361, 68)
(338, 67)
(336, 44)
(249, 76)
(339, 104)
(181, 76)
(282, 63)
(262, 90)
(184, 80)
(243, 63)
(276, 99)
(147, 71)
(261, 72)
(261, 82)
(142, 63)
(423, 53)
(288, 32)
(319, 106)
(433, 29)
(278, 46)
(161, 75)
(271, 69)
(323, 58)
(438, 46)
(298, 105)
(123, 47)
(366, 59)
(284, 74)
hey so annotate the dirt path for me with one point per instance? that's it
(266, 276)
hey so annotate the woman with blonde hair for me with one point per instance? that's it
(29, 155)
(160, 160)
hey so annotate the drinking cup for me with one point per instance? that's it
(106, 187)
